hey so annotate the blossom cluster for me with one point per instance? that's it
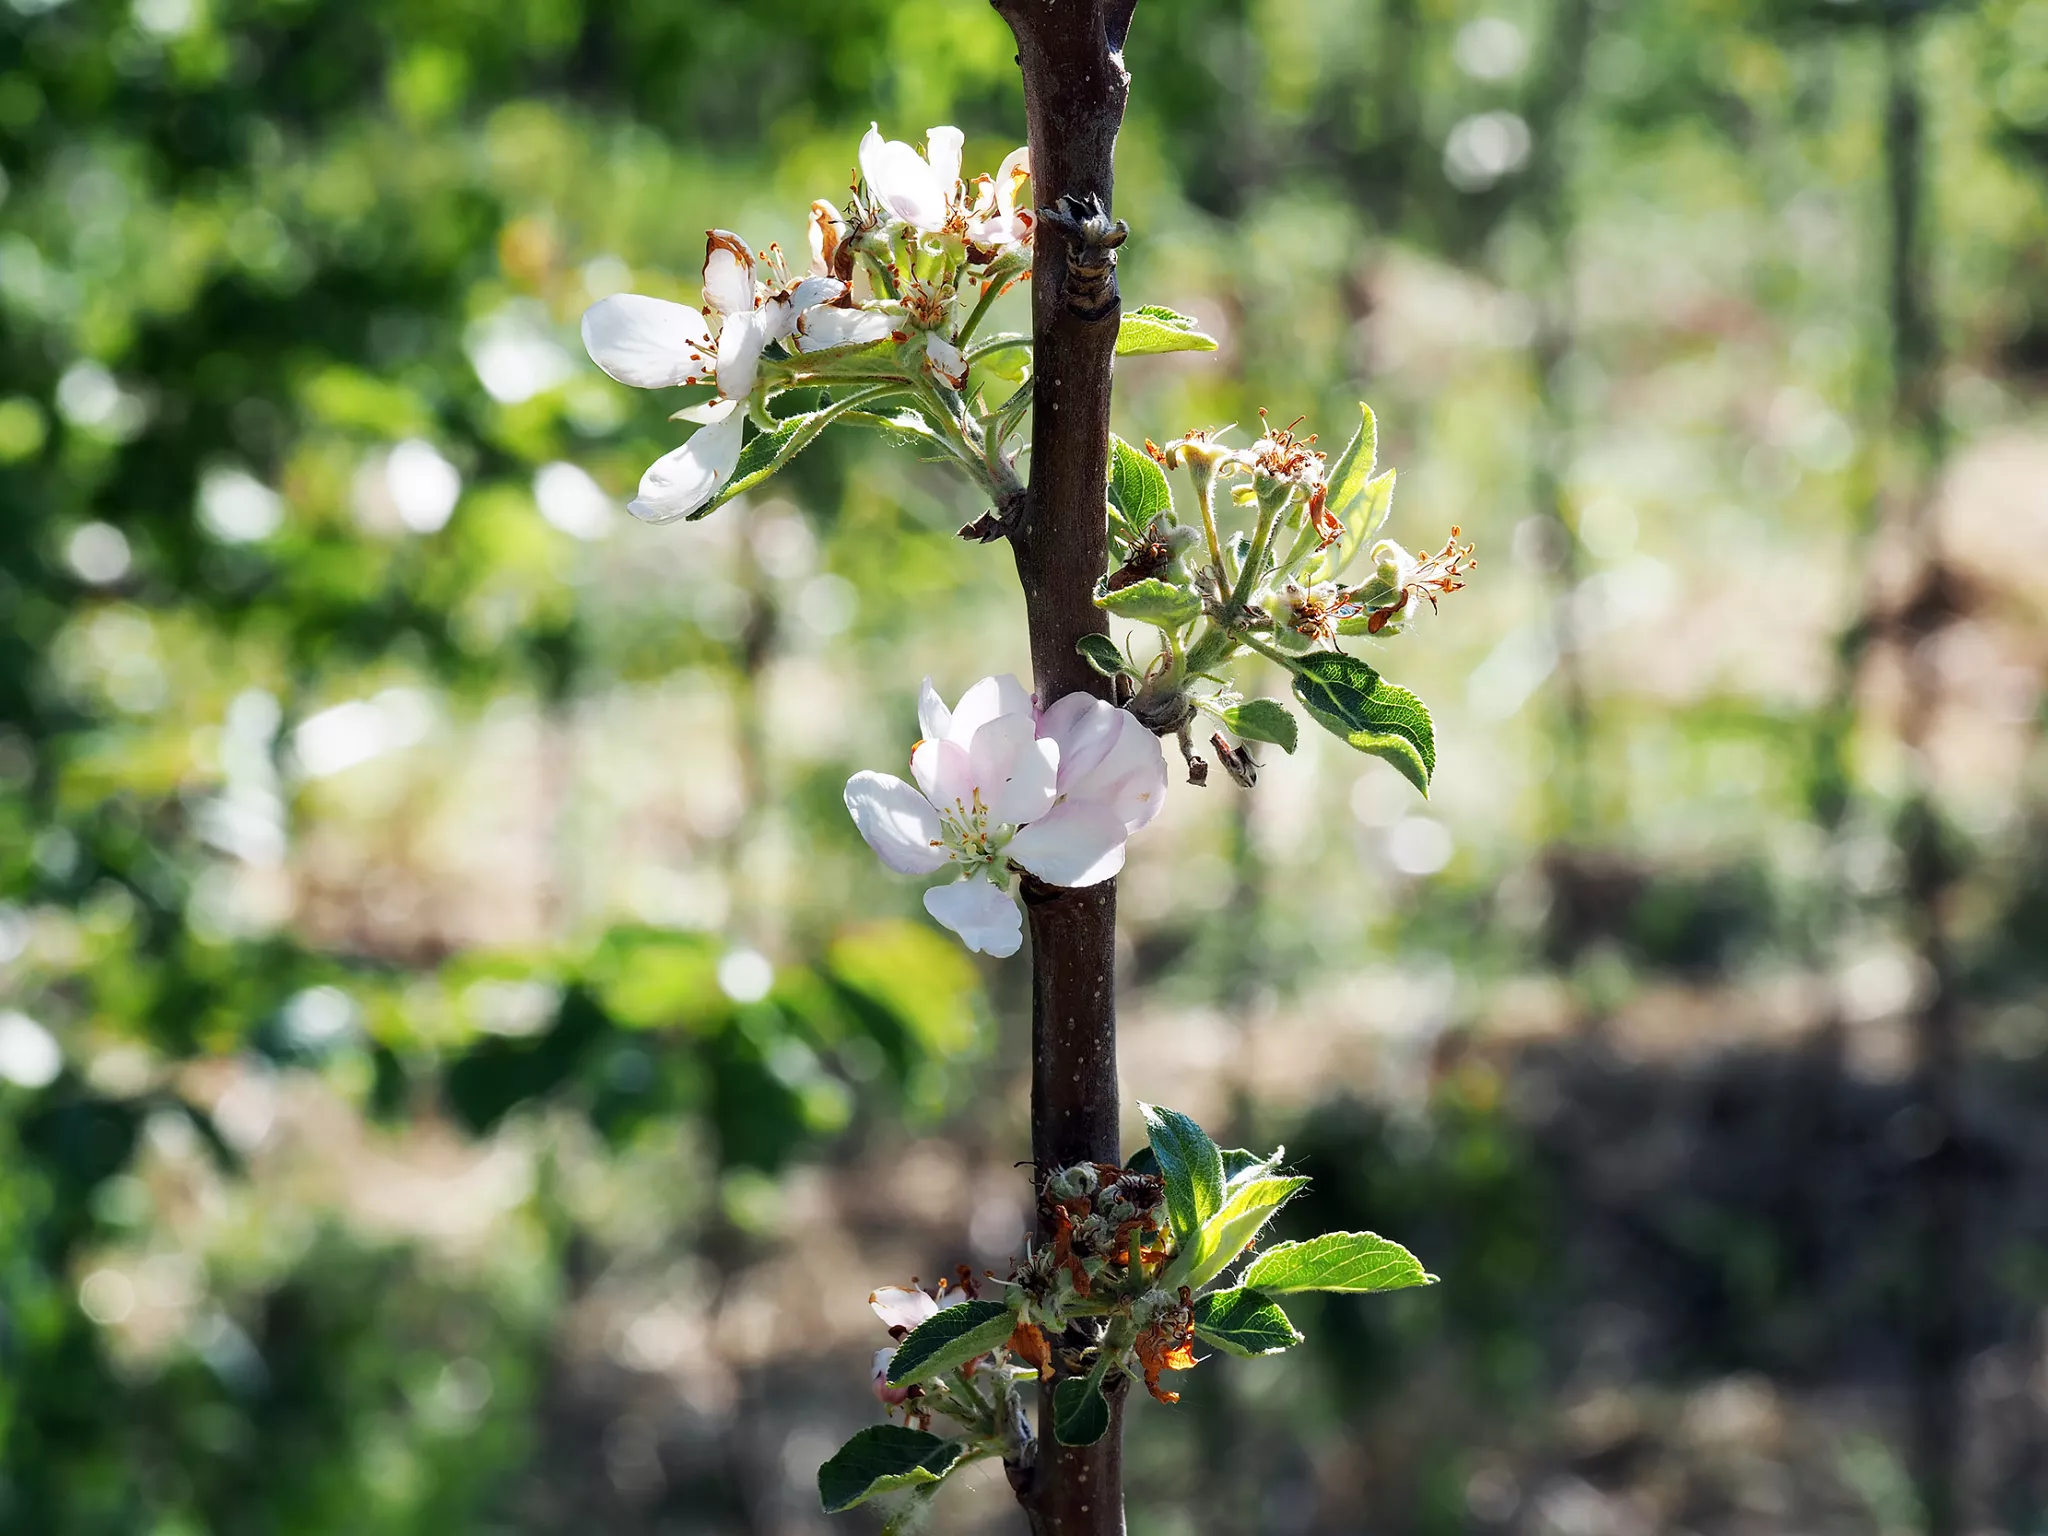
(1004, 786)
(897, 283)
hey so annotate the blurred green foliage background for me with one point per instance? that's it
(459, 1070)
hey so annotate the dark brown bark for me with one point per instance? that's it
(1071, 56)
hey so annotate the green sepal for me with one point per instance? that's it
(766, 452)
(1103, 655)
(1264, 720)
(950, 1339)
(1190, 1164)
(1337, 1261)
(862, 359)
(1080, 1412)
(884, 1458)
(1350, 700)
(1150, 600)
(1153, 328)
(1246, 1210)
(1244, 1322)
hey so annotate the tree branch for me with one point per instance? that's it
(1075, 88)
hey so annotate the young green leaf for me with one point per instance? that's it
(1351, 470)
(1191, 1166)
(1336, 1261)
(1137, 486)
(1244, 1321)
(1102, 653)
(1264, 720)
(1368, 515)
(1144, 1160)
(1240, 1165)
(766, 452)
(1152, 328)
(1150, 600)
(949, 1339)
(1223, 1237)
(1348, 699)
(881, 1459)
(1080, 1413)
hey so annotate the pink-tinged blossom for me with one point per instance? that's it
(1000, 787)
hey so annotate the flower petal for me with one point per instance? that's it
(945, 773)
(901, 181)
(678, 483)
(902, 1306)
(984, 917)
(826, 228)
(1107, 758)
(815, 290)
(942, 151)
(823, 326)
(889, 1397)
(934, 720)
(1013, 173)
(990, 697)
(1079, 843)
(898, 823)
(945, 360)
(1017, 774)
(1086, 728)
(647, 343)
(728, 273)
(740, 341)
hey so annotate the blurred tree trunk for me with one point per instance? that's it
(1941, 1271)
(1075, 88)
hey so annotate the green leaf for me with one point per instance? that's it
(1244, 1321)
(1102, 653)
(1368, 517)
(1223, 1237)
(1151, 600)
(1137, 486)
(1264, 720)
(766, 452)
(881, 1459)
(949, 1339)
(1337, 1261)
(1152, 328)
(1240, 1165)
(1191, 1166)
(1349, 699)
(1144, 1160)
(1352, 469)
(1080, 1413)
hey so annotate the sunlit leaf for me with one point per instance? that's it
(1336, 1261)
(881, 1459)
(1244, 1321)
(1153, 328)
(951, 1339)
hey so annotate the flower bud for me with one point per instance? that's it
(1073, 1183)
(888, 1396)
